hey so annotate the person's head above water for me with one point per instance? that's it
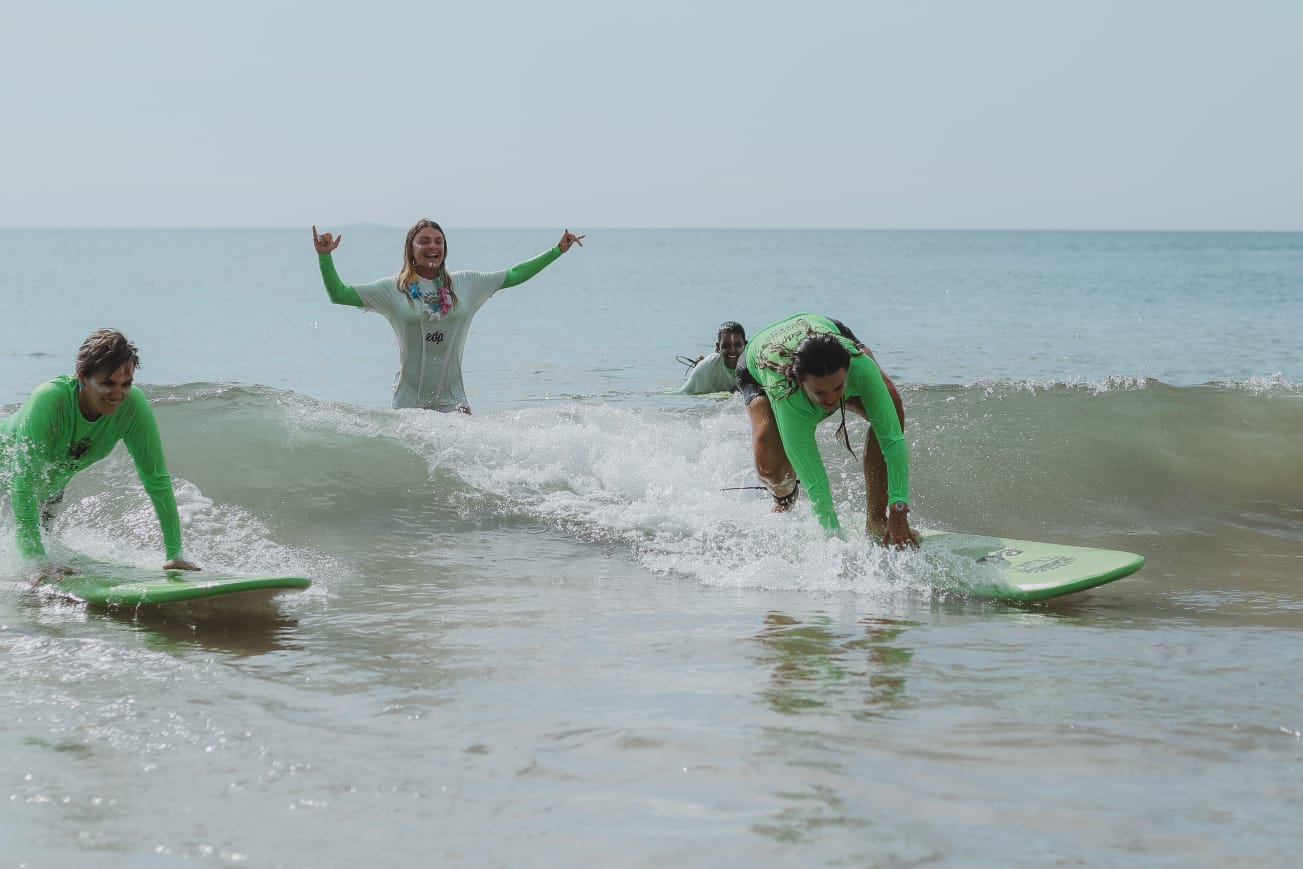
(819, 365)
(106, 367)
(105, 350)
(425, 255)
(730, 341)
(426, 247)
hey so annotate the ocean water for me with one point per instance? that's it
(550, 634)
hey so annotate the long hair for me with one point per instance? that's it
(105, 350)
(818, 354)
(407, 273)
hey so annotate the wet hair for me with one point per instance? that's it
(730, 327)
(818, 355)
(407, 273)
(105, 350)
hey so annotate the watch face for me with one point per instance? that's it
(899, 507)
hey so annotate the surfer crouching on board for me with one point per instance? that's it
(797, 373)
(430, 309)
(70, 423)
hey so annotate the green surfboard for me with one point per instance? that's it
(998, 568)
(111, 585)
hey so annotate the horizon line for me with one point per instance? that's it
(400, 228)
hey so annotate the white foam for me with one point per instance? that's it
(656, 482)
(107, 515)
(1266, 384)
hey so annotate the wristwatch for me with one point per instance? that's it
(898, 507)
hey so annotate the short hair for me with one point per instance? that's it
(730, 326)
(105, 350)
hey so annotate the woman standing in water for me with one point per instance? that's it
(71, 423)
(430, 309)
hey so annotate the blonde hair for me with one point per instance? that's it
(407, 273)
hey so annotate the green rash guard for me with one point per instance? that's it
(342, 294)
(48, 441)
(797, 415)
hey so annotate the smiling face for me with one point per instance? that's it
(825, 390)
(730, 346)
(427, 251)
(103, 392)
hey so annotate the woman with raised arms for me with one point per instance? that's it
(430, 309)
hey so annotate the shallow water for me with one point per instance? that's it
(545, 634)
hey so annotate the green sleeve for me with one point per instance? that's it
(27, 520)
(864, 380)
(340, 293)
(518, 274)
(146, 449)
(29, 433)
(797, 432)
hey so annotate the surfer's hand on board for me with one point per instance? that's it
(899, 534)
(181, 564)
(568, 238)
(910, 539)
(325, 243)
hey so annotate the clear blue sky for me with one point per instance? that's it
(1145, 114)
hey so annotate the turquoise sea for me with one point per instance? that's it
(549, 634)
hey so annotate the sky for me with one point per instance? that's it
(999, 114)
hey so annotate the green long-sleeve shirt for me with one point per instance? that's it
(48, 441)
(797, 415)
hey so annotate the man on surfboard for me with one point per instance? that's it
(68, 424)
(797, 373)
(718, 371)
